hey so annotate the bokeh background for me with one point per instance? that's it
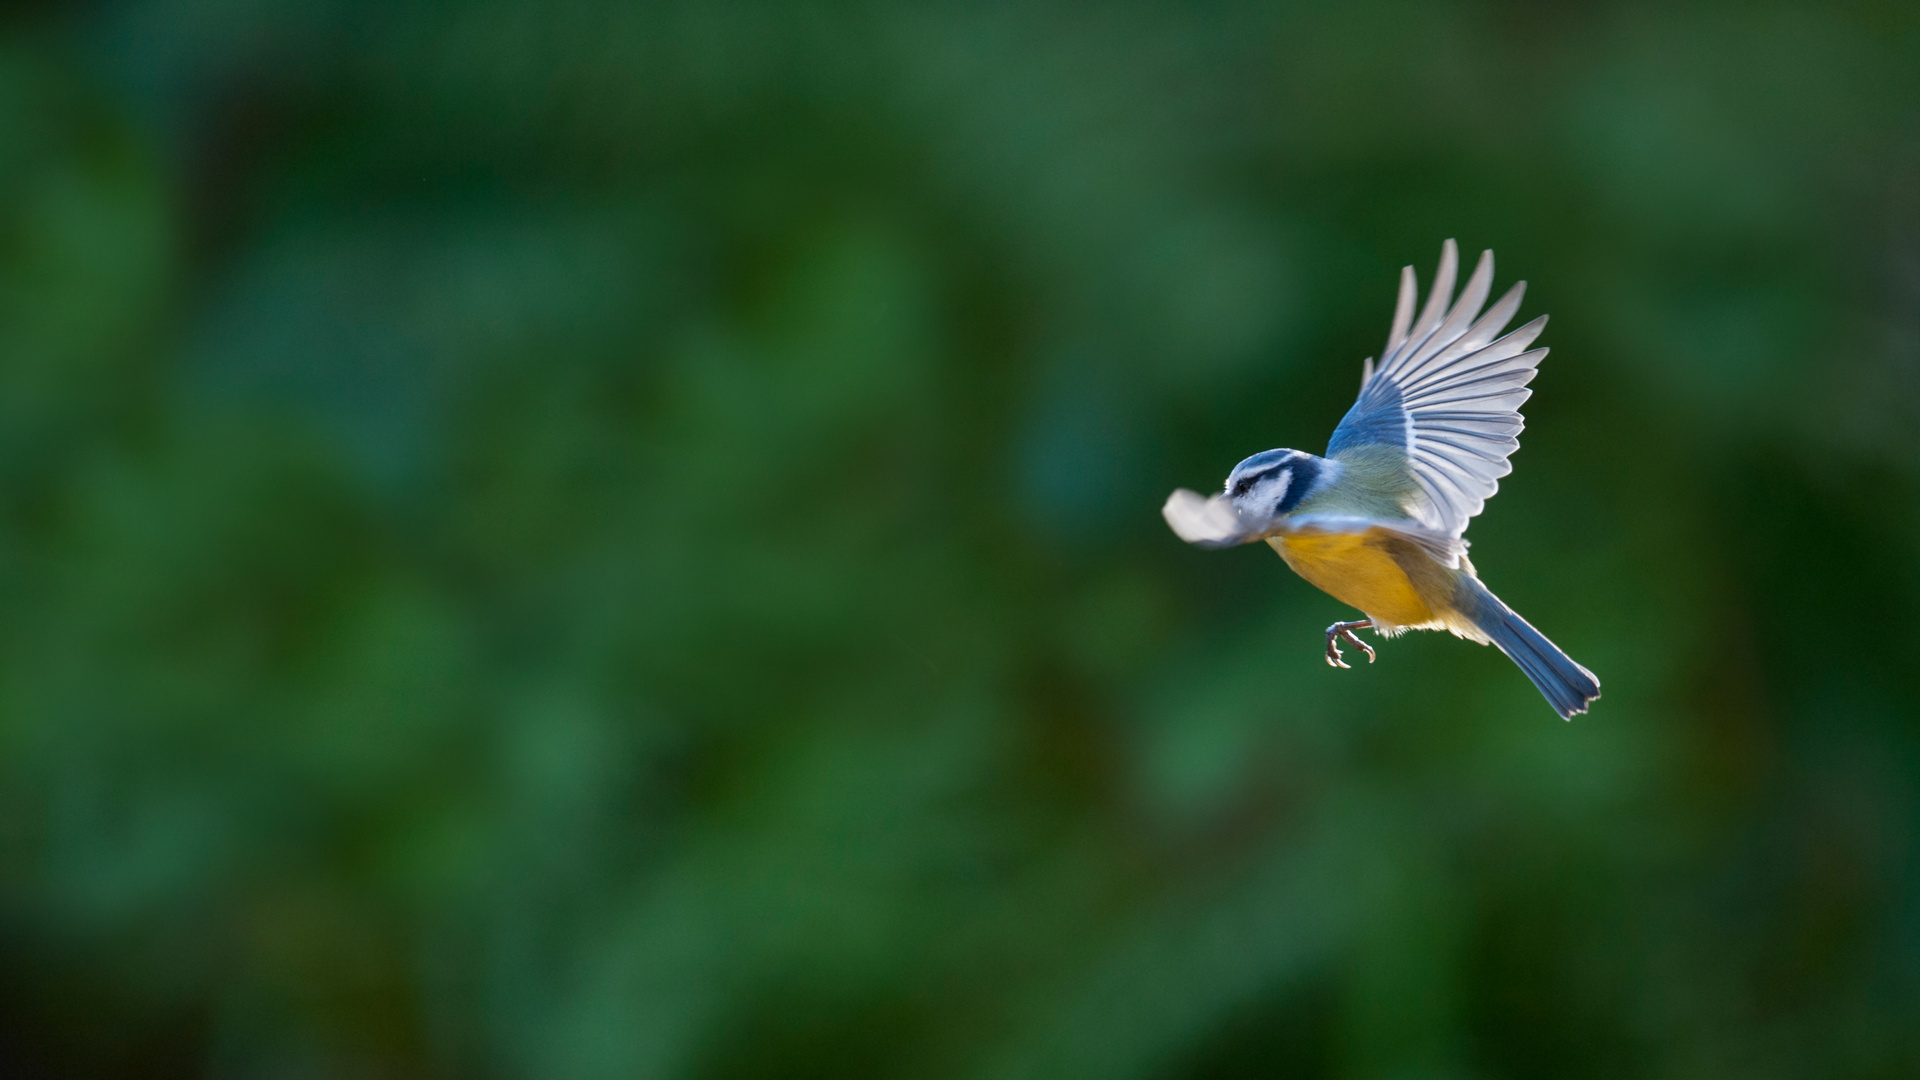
(575, 539)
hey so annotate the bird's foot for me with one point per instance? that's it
(1344, 631)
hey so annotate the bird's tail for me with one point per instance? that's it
(1568, 686)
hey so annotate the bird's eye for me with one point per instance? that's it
(1241, 488)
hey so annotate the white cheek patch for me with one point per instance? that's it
(1280, 484)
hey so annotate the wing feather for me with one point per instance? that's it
(1458, 318)
(1471, 452)
(1488, 326)
(1489, 432)
(1402, 314)
(1436, 308)
(1448, 391)
(1437, 482)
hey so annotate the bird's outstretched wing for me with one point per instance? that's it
(1212, 522)
(1447, 394)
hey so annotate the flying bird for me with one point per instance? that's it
(1378, 523)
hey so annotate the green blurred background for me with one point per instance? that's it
(594, 540)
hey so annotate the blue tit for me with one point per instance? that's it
(1378, 522)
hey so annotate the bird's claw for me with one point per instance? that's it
(1344, 631)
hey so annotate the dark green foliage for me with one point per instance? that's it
(596, 540)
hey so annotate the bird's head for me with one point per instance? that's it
(1260, 491)
(1270, 484)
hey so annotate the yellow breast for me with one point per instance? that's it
(1358, 569)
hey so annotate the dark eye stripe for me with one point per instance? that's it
(1245, 483)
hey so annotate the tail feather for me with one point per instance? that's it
(1568, 687)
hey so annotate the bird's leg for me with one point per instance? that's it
(1345, 630)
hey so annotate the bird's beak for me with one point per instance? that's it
(1207, 521)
